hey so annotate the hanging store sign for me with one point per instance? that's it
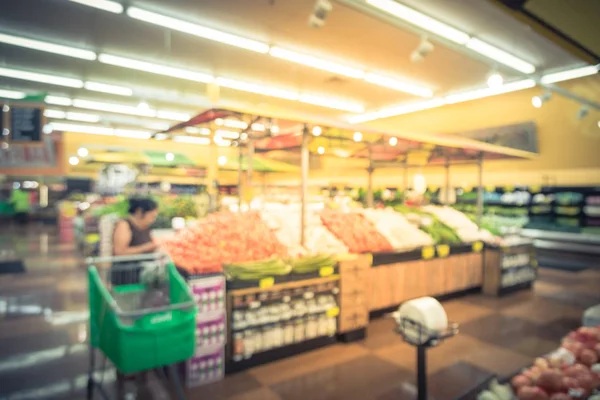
(25, 124)
(29, 155)
(519, 136)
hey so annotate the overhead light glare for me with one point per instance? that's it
(398, 110)
(105, 88)
(169, 156)
(58, 101)
(12, 94)
(227, 134)
(47, 47)
(393, 141)
(317, 63)
(332, 103)
(191, 140)
(317, 130)
(128, 133)
(358, 136)
(155, 68)
(82, 152)
(73, 160)
(570, 74)
(113, 108)
(421, 20)
(197, 131)
(500, 56)
(105, 5)
(222, 160)
(94, 130)
(495, 80)
(172, 115)
(257, 88)
(42, 78)
(487, 92)
(197, 30)
(398, 85)
(321, 150)
(538, 101)
(231, 123)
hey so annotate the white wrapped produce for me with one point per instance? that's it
(397, 230)
(466, 229)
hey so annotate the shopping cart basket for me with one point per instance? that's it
(133, 335)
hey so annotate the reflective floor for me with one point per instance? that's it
(44, 355)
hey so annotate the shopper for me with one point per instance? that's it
(132, 237)
(20, 202)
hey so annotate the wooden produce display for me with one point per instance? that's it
(354, 276)
(430, 271)
(510, 267)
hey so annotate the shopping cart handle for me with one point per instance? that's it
(137, 257)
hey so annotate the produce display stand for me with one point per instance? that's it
(508, 268)
(270, 321)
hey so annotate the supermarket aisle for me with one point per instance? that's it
(43, 331)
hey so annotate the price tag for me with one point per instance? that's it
(442, 250)
(509, 188)
(370, 258)
(266, 283)
(534, 263)
(490, 188)
(92, 238)
(477, 246)
(427, 252)
(535, 189)
(467, 188)
(325, 271)
(333, 312)
(432, 189)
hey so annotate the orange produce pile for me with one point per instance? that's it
(220, 238)
(355, 231)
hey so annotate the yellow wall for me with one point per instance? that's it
(569, 148)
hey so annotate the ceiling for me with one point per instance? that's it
(350, 36)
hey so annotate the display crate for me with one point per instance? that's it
(509, 268)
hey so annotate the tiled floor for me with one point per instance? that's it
(43, 334)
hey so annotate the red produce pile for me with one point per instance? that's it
(223, 238)
(572, 372)
(355, 231)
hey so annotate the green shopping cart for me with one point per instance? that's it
(142, 317)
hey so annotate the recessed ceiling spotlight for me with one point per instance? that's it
(393, 141)
(583, 112)
(321, 150)
(423, 50)
(495, 80)
(320, 13)
(357, 136)
(317, 130)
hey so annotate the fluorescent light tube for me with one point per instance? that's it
(47, 47)
(219, 141)
(94, 130)
(397, 85)
(191, 140)
(105, 88)
(486, 92)
(175, 116)
(197, 131)
(570, 74)
(161, 136)
(421, 20)
(42, 78)
(11, 94)
(231, 123)
(501, 56)
(317, 63)
(58, 101)
(157, 126)
(113, 108)
(197, 30)
(258, 127)
(133, 134)
(106, 5)
(73, 116)
(227, 134)
(155, 68)
(398, 110)
(257, 88)
(331, 103)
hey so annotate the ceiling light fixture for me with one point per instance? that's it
(393, 141)
(398, 110)
(257, 88)
(133, 134)
(197, 131)
(169, 156)
(113, 108)
(58, 101)
(219, 141)
(94, 130)
(421, 20)
(191, 140)
(317, 130)
(172, 115)
(227, 134)
(317, 63)
(358, 136)
(105, 88)
(82, 152)
(42, 78)
(155, 68)
(106, 5)
(231, 123)
(73, 116)
(197, 30)
(495, 80)
(321, 150)
(47, 47)
(570, 74)
(12, 94)
(538, 101)
(397, 85)
(73, 160)
(487, 92)
(331, 103)
(500, 56)
(222, 160)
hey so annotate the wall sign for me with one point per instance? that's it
(29, 155)
(25, 124)
(519, 136)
